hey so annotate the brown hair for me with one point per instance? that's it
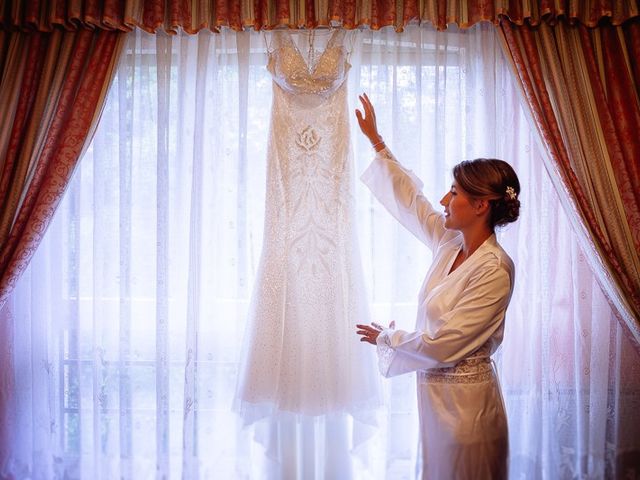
(494, 180)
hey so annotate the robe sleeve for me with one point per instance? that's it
(474, 319)
(400, 192)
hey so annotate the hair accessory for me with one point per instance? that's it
(512, 193)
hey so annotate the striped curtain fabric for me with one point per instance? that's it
(582, 87)
(195, 15)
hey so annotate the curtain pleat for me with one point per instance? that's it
(619, 109)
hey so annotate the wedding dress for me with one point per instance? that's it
(301, 354)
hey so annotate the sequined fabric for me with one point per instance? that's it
(311, 72)
(301, 353)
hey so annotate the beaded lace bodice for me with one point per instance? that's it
(311, 72)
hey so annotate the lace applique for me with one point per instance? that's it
(308, 138)
(385, 354)
(314, 203)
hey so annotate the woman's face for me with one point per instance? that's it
(459, 208)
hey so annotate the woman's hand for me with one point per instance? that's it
(370, 332)
(367, 121)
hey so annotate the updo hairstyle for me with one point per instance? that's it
(494, 180)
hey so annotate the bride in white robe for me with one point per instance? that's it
(461, 310)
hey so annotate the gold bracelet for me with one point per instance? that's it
(376, 144)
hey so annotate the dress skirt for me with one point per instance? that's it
(463, 424)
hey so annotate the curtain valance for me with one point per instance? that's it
(195, 15)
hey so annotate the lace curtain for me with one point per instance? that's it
(126, 327)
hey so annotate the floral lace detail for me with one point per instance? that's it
(385, 353)
(470, 370)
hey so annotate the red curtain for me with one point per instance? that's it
(582, 89)
(51, 93)
(618, 73)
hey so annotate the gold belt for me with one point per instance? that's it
(469, 370)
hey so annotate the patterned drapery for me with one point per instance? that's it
(582, 88)
(194, 15)
(52, 87)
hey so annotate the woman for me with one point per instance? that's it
(462, 304)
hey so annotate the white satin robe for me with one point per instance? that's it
(460, 323)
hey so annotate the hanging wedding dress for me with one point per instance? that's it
(301, 354)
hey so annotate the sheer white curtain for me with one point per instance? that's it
(125, 331)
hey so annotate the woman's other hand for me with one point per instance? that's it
(369, 333)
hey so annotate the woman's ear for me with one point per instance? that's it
(481, 206)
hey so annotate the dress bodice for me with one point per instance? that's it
(296, 73)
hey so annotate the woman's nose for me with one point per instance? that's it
(444, 200)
